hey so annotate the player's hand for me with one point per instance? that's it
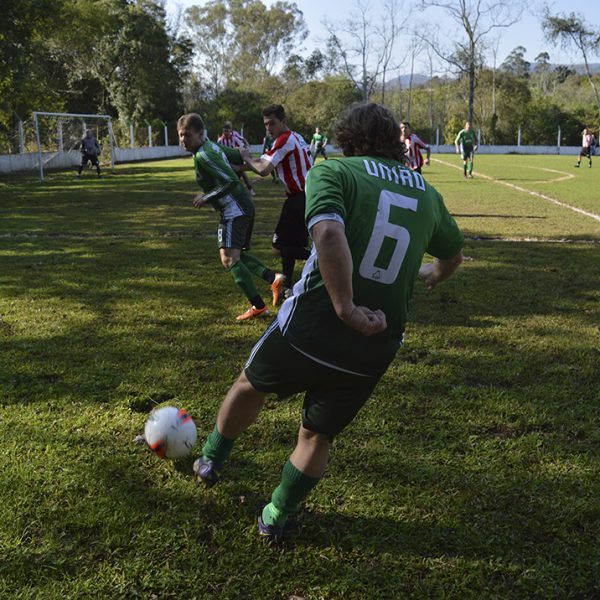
(199, 201)
(429, 275)
(245, 154)
(366, 321)
(427, 161)
(457, 151)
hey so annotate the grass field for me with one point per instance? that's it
(473, 472)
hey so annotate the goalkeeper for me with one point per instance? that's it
(90, 150)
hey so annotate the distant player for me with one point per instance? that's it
(224, 192)
(413, 145)
(588, 142)
(318, 144)
(466, 143)
(233, 139)
(291, 158)
(90, 151)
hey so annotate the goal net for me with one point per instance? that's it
(58, 139)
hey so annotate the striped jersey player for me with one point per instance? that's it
(290, 157)
(413, 145)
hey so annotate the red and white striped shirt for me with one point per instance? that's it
(235, 140)
(290, 156)
(414, 144)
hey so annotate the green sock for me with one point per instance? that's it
(470, 168)
(217, 447)
(255, 266)
(287, 497)
(243, 279)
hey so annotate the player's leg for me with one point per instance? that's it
(273, 367)
(581, 153)
(84, 161)
(291, 237)
(328, 408)
(96, 163)
(471, 159)
(232, 236)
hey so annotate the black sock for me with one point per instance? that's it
(297, 252)
(269, 276)
(257, 302)
(287, 264)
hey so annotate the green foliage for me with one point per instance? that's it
(471, 473)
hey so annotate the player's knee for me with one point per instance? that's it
(313, 438)
(228, 261)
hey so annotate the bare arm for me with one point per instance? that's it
(260, 166)
(335, 264)
(437, 271)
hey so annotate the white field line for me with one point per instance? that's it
(566, 175)
(591, 215)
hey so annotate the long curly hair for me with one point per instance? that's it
(368, 130)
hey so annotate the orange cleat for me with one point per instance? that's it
(278, 287)
(253, 313)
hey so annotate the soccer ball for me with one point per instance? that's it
(170, 432)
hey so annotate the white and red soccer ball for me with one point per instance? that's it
(170, 432)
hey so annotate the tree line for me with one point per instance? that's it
(226, 59)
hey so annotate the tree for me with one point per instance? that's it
(516, 64)
(365, 50)
(572, 30)
(477, 18)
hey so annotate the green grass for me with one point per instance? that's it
(473, 472)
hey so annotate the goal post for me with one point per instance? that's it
(58, 135)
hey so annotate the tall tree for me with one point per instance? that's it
(572, 30)
(476, 19)
(356, 41)
(516, 64)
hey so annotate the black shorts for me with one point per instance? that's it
(291, 228)
(235, 233)
(320, 150)
(467, 153)
(85, 158)
(586, 152)
(332, 398)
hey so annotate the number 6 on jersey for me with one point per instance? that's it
(383, 229)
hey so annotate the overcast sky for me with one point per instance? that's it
(527, 32)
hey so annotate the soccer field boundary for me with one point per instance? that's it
(189, 235)
(586, 213)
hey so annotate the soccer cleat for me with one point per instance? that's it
(576, 166)
(252, 192)
(270, 533)
(206, 472)
(253, 313)
(470, 175)
(590, 165)
(278, 287)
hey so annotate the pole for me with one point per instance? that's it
(519, 136)
(39, 146)
(21, 138)
(437, 138)
(149, 135)
(131, 140)
(558, 141)
(60, 135)
(110, 144)
(166, 134)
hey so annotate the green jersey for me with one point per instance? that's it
(318, 140)
(219, 182)
(466, 137)
(391, 218)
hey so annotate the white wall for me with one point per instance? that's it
(13, 163)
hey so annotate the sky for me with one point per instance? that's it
(527, 32)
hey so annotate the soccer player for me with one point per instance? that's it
(290, 156)
(223, 191)
(233, 139)
(467, 142)
(318, 144)
(413, 145)
(336, 336)
(90, 150)
(588, 141)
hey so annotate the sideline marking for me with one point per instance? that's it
(526, 191)
(566, 175)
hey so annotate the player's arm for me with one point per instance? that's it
(435, 272)
(457, 141)
(260, 166)
(335, 264)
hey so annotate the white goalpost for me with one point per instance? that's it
(58, 135)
